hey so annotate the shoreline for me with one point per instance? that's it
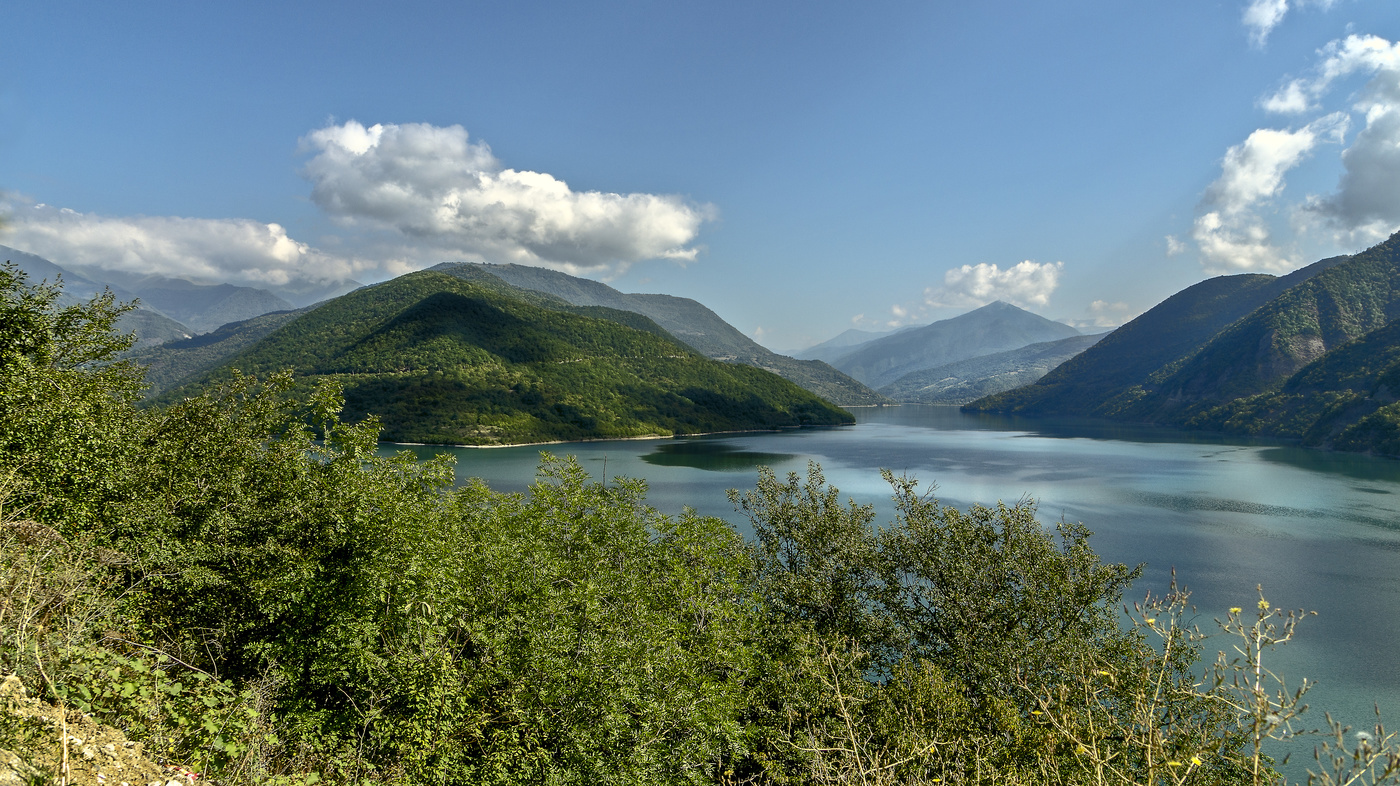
(601, 439)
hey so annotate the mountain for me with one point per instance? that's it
(1349, 399)
(844, 343)
(995, 327)
(175, 362)
(202, 307)
(687, 320)
(1116, 370)
(77, 288)
(151, 327)
(971, 379)
(1309, 356)
(442, 359)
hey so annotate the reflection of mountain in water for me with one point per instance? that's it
(711, 455)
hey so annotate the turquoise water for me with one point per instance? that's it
(1318, 531)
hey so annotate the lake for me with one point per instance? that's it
(1319, 531)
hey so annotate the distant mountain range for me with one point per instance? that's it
(446, 359)
(1311, 356)
(995, 327)
(973, 378)
(843, 344)
(169, 308)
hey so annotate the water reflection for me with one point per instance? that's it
(712, 454)
(1319, 530)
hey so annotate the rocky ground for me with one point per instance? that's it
(71, 749)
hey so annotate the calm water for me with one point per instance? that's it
(1319, 531)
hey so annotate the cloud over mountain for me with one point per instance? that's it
(1365, 208)
(1024, 284)
(409, 196)
(437, 188)
(1230, 233)
(236, 250)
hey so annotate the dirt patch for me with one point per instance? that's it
(71, 748)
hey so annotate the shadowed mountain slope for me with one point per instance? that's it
(1306, 356)
(685, 319)
(445, 360)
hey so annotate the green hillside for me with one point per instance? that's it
(1256, 354)
(1345, 400)
(1312, 356)
(445, 360)
(685, 319)
(176, 362)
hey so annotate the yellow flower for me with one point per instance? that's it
(1263, 604)
(1103, 673)
(1196, 760)
(1150, 620)
(1037, 712)
(1235, 609)
(1173, 764)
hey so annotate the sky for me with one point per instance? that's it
(799, 167)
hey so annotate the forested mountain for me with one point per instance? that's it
(175, 362)
(687, 320)
(1302, 356)
(995, 327)
(968, 380)
(151, 327)
(446, 360)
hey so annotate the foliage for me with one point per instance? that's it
(1306, 357)
(239, 582)
(444, 360)
(686, 320)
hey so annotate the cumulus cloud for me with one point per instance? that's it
(234, 250)
(1175, 246)
(1262, 16)
(1229, 231)
(1024, 284)
(1365, 207)
(440, 190)
(1342, 58)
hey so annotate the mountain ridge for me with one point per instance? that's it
(444, 360)
(995, 327)
(687, 320)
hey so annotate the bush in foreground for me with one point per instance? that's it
(248, 590)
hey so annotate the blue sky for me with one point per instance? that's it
(800, 167)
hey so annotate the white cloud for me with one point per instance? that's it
(1342, 58)
(444, 193)
(1262, 16)
(1175, 246)
(1230, 233)
(1024, 284)
(1365, 208)
(233, 250)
